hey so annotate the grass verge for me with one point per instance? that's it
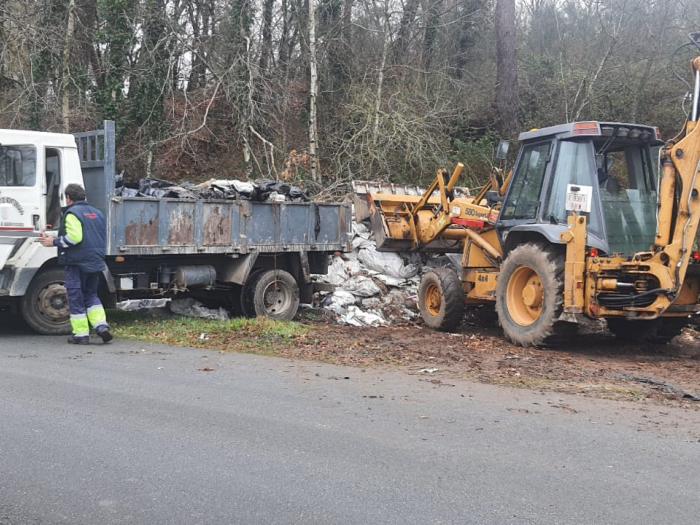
(259, 335)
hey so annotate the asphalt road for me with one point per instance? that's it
(133, 433)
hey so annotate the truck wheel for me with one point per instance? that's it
(660, 330)
(530, 294)
(274, 294)
(441, 299)
(247, 294)
(45, 305)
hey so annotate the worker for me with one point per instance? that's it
(81, 244)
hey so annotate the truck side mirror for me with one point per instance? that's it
(502, 150)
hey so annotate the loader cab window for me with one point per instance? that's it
(627, 184)
(524, 196)
(53, 184)
(17, 166)
(575, 165)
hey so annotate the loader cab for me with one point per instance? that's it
(616, 164)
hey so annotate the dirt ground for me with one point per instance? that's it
(593, 363)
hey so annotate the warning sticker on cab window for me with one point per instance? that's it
(579, 197)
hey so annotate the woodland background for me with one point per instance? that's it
(326, 91)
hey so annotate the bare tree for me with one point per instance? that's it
(506, 67)
(313, 93)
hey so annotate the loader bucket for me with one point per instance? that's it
(385, 206)
(362, 189)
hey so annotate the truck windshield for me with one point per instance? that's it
(627, 185)
(17, 166)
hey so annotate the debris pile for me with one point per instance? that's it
(373, 288)
(184, 306)
(260, 191)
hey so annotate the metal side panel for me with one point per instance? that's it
(263, 225)
(96, 150)
(329, 224)
(142, 226)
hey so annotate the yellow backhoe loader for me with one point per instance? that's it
(596, 220)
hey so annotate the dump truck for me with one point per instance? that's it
(255, 258)
(596, 220)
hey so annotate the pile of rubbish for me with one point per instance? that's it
(373, 288)
(260, 191)
(185, 306)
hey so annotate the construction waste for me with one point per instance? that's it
(373, 288)
(185, 306)
(260, 191)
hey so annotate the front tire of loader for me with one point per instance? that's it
(441, 299)
(44, 306)
(530, 294)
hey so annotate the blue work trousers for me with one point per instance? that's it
(85, 306)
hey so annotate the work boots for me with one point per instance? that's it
(105, 334)
(79, 340)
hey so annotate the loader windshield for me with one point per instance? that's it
(627, 186)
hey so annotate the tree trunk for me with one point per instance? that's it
(65, 81)
(313, 92)
(432, 20)
(404, 32)
(506, 68)
(266, 45)
(380, 87)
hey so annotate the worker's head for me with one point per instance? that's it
(74, 193)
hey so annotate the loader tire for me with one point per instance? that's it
(273, 294)
(659, 331)
(530, 294)
(441, 299)
(44, 306)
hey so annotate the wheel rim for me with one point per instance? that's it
(52, 304)
(433, 299)
(525, 296)
(277, 298)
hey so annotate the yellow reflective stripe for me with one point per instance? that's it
(97, 316)
(79, 325)
(74, 229)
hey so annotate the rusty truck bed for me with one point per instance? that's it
(151, 226)
(144, 226)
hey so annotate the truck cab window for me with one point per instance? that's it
(53, 184)
(524, 195)
(17, 166)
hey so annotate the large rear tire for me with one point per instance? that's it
(44, 306)
(530, 294)
(441, 299)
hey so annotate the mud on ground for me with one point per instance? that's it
(592, 363)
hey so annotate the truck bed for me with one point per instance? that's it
(144, 226)
(151, 226)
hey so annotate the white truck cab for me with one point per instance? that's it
(35, 168)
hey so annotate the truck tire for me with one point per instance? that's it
(441, 299)
(530, 294)
(44, 306)
(659, 331)
(273, 294)
(247, 294)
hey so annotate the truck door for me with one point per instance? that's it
(52, 188)
(20, 195)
